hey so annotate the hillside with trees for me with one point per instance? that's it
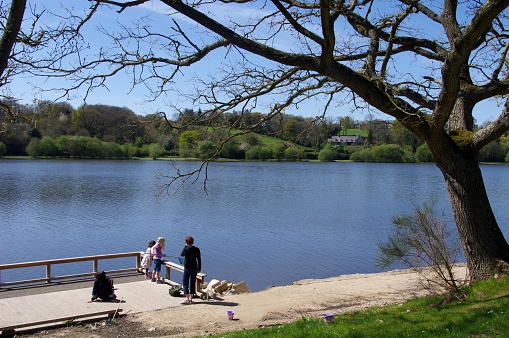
(102, 131)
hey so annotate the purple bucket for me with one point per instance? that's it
(328, 317)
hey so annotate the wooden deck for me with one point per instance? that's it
(48, 307)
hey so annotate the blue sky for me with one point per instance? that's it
(120, 93)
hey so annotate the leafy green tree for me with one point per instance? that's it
(266, 153)
(76, 146)
(33, 148)
(369, 139)
(114, 150)
(206, 149)
(493, 152)
(53, 118)
(293, 154)
(34, 132)
(129, 150)
(408, 156)
(388, 153)
(295, 130)
(169, 144)
(252, 139)
(327, 154)
(422, 154)
(279, 151)
(363, 155)
(143, 151)
(346, 123)
(189, 138)
(232, 150)
(401, 136)
(48, 147)
(3, 149)
(155, 151)
(253, 153)
(15, 139)
(188, 142)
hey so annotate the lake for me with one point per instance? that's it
(267, 223)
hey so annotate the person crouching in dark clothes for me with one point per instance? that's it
(192, 266)
(103, 288)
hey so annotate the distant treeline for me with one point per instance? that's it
(101, 131)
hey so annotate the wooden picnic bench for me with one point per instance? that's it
(11, 329)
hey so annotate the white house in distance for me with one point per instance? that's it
(346, 140)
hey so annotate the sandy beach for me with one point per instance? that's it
(272, 306)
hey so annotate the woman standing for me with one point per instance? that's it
(192, 266)
(157, 255)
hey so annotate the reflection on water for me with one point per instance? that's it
(265, 223)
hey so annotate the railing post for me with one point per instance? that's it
(48, 272)
(138, 260)
(168, 272)
(94, 269)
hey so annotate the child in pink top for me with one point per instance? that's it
(157, 255)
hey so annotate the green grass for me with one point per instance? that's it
(361, 132)
(483, 313)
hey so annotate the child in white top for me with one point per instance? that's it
(146, 261)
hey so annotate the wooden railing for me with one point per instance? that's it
(200, 279)
(72, 277)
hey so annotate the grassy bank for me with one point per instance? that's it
(483, 313)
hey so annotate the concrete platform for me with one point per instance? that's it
(28, 306)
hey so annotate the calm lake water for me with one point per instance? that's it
(265, 223)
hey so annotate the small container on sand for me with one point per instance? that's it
(328, 317)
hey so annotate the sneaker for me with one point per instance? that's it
(153, 279)
(186, 302)
(147, 276)
(160, 281)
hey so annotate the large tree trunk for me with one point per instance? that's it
(11, 31)
(484, 245)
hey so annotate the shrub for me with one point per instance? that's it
(408, 155)
(265, 153)
(493, 152)
(155, 151)
(364, 155)
(48, 147)
(252, 153)
(390, 153)
(422, 154)
(206, 149)
(423, 240)
(231, 149)
(279, 151)
(33, 148)
(293, 154)
(327, 154)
